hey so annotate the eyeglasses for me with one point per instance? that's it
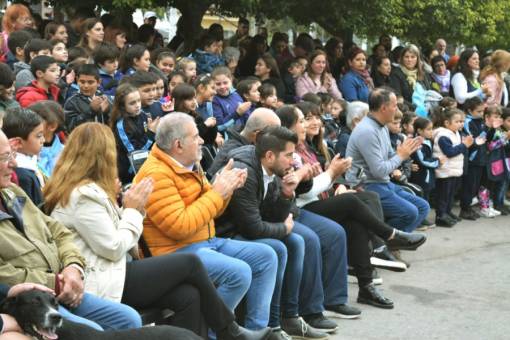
(25, 20)
(4, 159)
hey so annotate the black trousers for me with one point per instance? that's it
(445, 191)
(470, 184)
(357, 219)
(372, 200)
(179, 282)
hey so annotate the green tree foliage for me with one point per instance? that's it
(483, 23)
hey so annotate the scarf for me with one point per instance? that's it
(411, 75)
(443, 81)
(474, 81)
(365, 75)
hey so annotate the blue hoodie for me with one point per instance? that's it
(224, 109)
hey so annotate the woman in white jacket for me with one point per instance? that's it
(82, 194)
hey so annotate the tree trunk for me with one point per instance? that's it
(192, 13)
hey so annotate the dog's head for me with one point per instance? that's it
(36, 313)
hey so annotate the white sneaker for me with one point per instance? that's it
(474, 201)
(389, 265)
(487, 213)
(495, 212)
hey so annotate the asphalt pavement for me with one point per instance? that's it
(458, 287)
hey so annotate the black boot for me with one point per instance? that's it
(405, 241)
(236, 332)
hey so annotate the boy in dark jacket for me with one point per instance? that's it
(89, 104)
(24, 128)
(47, 73)
(34, 48)
(16, 44)
(146, 82)
(106, 58)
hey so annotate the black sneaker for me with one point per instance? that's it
(468, 214)
(344, 311)
(297, 328)
(320, 322)
(454, 217)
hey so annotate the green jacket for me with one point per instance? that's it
(33, 246)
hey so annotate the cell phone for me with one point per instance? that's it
(360, 174)
(483, 134)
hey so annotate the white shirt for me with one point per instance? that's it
(190, 168)
(267, 179)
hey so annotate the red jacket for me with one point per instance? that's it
(31, 94)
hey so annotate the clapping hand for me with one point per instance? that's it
(229, 179)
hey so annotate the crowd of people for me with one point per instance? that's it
(135, 175)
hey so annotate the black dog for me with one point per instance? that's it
(36, 313)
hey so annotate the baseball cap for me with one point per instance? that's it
(149, 14)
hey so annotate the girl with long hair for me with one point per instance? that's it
(317, 77)
(133, 129)
(492, 77)
(465, 82)
(92, 36)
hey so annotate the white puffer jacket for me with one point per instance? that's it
(453, 167)
(104, 234)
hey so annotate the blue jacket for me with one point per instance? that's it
(205, 110)
(224, 109)
(206, 61)
(425, 177)
(353, 87)
(49, 156)
(109, 83)
(155, 110)
(475, 127)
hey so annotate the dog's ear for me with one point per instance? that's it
(8, 306)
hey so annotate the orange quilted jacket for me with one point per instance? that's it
(182, 206)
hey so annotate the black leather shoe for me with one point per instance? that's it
(371, 296)
(406, 241)
(236, 332)
(445, 222)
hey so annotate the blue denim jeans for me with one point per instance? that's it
(102, 314)
(402, 210)
(324, 279)
(500, 188)
(238, 268)
(290, 251)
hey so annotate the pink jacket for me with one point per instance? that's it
(305, 84)
(497, 90)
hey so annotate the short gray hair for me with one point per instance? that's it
(355, 110)
(171, 128)
(231, 53)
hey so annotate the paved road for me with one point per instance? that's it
(458, 287)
